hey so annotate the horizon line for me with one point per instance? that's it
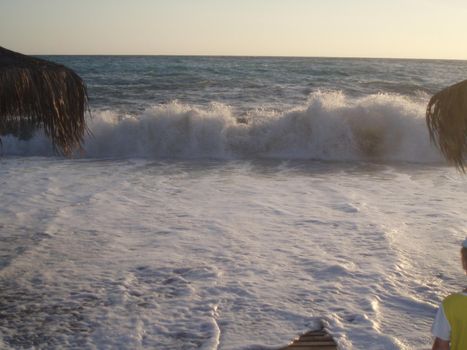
(245, 56)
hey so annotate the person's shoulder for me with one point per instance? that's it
(453, 298)
(456, 295)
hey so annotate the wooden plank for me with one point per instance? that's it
(319, 331)
(316, 334)
(313, 347)
(308, 347)
(295, 347)
(314, 343)
(306, 337)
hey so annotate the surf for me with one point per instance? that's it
(331, 125)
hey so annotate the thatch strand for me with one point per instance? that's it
(446, 117)
(35, 93)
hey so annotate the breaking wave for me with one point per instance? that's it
(330, 126)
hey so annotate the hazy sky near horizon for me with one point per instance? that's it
(341, 28)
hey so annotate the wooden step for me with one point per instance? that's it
(307, 337)
(313, 340)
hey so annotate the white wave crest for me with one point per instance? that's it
(331, 126)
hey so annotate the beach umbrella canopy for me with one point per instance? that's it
(38, 94)
(446, 117)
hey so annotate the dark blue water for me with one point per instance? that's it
(133, 83)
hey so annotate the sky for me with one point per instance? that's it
(325, 28)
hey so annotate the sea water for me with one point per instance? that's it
(233, 203)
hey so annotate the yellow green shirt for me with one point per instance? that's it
(455, 309)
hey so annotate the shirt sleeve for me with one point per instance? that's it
(441, 327)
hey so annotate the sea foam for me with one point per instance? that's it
(330, 126)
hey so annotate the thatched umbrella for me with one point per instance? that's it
(36, 93)
(446, 116)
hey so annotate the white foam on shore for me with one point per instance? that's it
(228, 255)
(213, 342)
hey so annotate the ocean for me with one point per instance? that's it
(234, 203)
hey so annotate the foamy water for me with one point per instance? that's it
(330, 126)
(228, 255)
(233, 203)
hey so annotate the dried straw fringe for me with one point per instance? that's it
(39, 94)
(446, 117)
